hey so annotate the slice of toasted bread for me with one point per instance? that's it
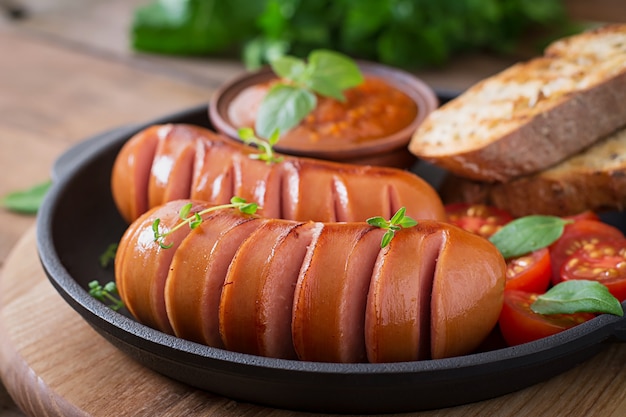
(594, 179)
(533, 114)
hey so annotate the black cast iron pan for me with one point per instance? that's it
(78, 221)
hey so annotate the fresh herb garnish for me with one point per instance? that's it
(577, 296)
(194, 220)
(397, 222)
(107, 294)
(408, 33)
(527, 234)
(26, 201)
(109, 255)
(292, 98)
(266, 147)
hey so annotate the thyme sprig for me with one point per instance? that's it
(195, 219)
(266, 147)
(398, 221)
(107, 294)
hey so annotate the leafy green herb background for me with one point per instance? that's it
(403, 33)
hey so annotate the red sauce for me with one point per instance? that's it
(372, 110)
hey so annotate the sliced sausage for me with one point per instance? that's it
(257, 299)
(311, 290)
(398, 307)
(329, 302)
(142, 270)
(197, 274)
(467, 293)
(297, 188)
(172, 167)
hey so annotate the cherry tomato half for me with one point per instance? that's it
(585, 215)
(574, 236)
(603, 261)
(477, 218)
(519, 324)
(530, 272)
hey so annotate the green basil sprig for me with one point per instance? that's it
(326, 73)
(577, 296)
(26, 201)
(527, 234)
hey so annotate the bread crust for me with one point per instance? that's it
(533, 114)
(594, 179)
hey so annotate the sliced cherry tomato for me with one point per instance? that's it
(519, 324)
(603, 261)
(575, 235)
(530, 272)
(585, 215)
(477, 218)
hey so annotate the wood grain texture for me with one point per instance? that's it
(67, 72)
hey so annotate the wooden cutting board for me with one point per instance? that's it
(54, 364)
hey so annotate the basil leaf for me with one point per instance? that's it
(326, 87)
(328, 65)
(26, 201)
(527, 234)
(282, 108)
(577, 296)
(289, 67)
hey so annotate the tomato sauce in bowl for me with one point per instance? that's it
(372, 126)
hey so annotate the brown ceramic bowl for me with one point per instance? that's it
(390, 150)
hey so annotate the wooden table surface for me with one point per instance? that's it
(67, 73)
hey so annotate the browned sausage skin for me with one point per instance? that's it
(166, 162)
(311, 290)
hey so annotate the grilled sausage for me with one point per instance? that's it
(167, 162)
(311, 290)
